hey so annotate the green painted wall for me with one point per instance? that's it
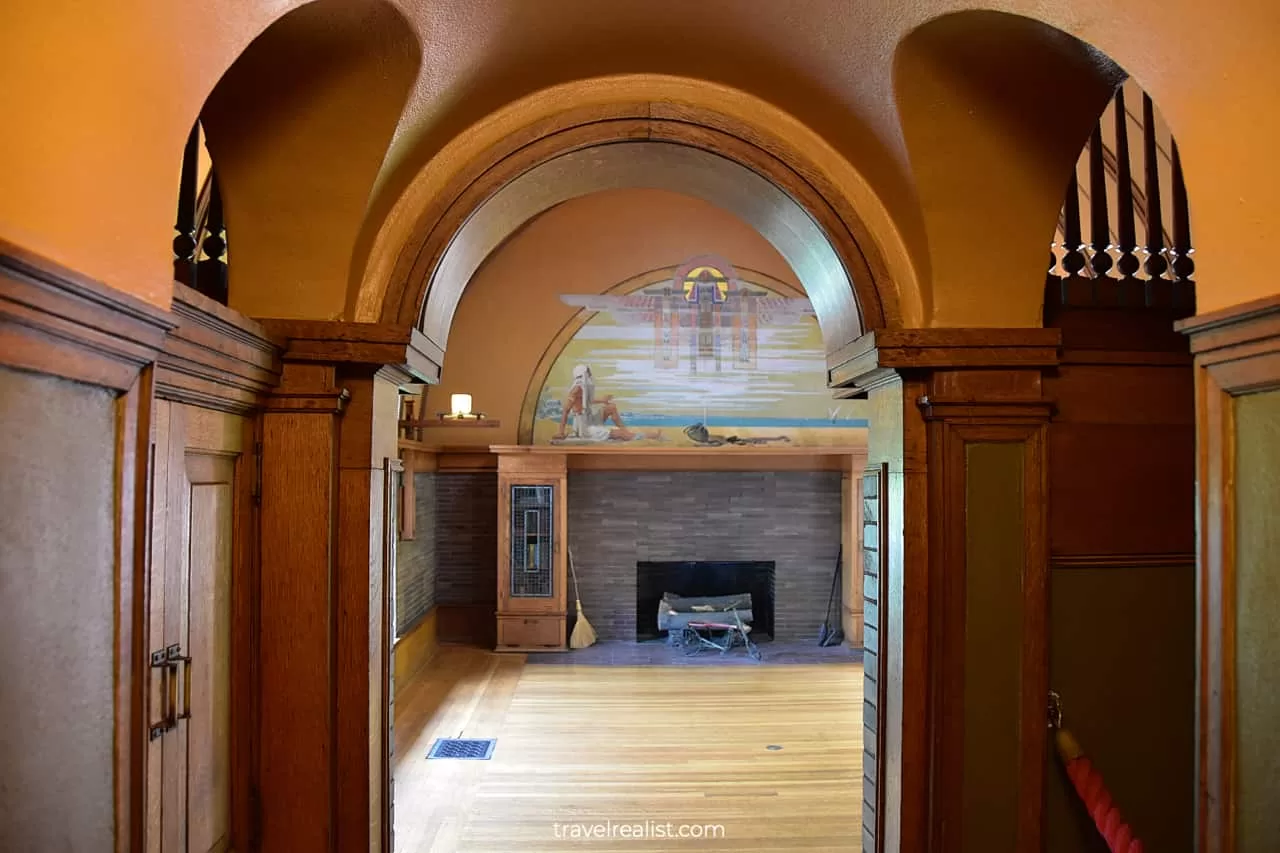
(1121, 654)
(994, 560)
(1258, 622)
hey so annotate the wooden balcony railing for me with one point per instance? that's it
(200, 246)
(1114, 267)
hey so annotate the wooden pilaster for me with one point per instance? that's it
(328, 431)
(958, 429)
(1237, 358)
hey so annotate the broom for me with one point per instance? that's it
(583, 634)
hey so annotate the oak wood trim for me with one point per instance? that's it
(245, 642)
(548, 471)
(582, 127)
(134, 413)
(909, 595)
(297, 668)
(1231, 317)
(1033, 736)
(1029, 409)
(1239, 345)
(215, 357)
(868, 362)
(1237, 352)
(1122, 561)
(309, 402)
(551, 450)
(1125, 358)
(1216, 714)
(387, 630)
(949, 571)
(56, 321)
(338, 342)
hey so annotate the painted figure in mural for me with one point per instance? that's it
(587, 418)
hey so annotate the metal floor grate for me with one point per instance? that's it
(446, 747)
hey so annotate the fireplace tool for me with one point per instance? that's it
(831, 634)
(583, 634)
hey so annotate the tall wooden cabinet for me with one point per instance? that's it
(199, 493)
(532, 553)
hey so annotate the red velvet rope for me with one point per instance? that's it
(1088, 783)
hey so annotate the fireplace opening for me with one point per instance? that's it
(688, 578)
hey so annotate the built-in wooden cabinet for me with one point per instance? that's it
(532, 553)
(198, 497)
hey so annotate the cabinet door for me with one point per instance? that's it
(530, 580)
(194, 526)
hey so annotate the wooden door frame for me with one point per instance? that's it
(1237, 353)
(392, 466)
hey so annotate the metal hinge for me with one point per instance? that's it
(160, 661)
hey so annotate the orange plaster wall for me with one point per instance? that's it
(511, 310)
(298, 128)
(98, 99)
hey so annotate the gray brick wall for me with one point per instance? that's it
(466, 518)
(619, 518)
(416, 559)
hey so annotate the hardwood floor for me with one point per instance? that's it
(588, 752)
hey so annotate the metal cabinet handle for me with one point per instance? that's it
(167, 661)
(175, 657)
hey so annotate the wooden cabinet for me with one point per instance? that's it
(532, 556)
(199, 508)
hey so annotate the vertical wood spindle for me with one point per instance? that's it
(1156, 263)
(1073, 261)
(1126, 232)
(1184, 266)
(1099, 227)
(211, 272)
(184, 242)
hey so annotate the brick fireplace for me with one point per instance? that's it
(620, 519)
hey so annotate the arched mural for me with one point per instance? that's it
(702, 355)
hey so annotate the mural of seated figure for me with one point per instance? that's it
(586, 419)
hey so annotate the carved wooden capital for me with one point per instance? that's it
(375, 344)
(880, 356)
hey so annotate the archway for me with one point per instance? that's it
(408, 250)
(512, 338)
(295, 172)
(837, 281)
(996, 109)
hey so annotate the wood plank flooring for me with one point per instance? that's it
(589, 758)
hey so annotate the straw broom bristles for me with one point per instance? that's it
(583, 634)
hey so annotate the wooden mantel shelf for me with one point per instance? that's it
(445, 458)
(723, 458)
(657, 450)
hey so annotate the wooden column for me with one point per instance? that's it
(1237, 356)
(297, 670)
(957, 692)
(988, 566)
(327, 434)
